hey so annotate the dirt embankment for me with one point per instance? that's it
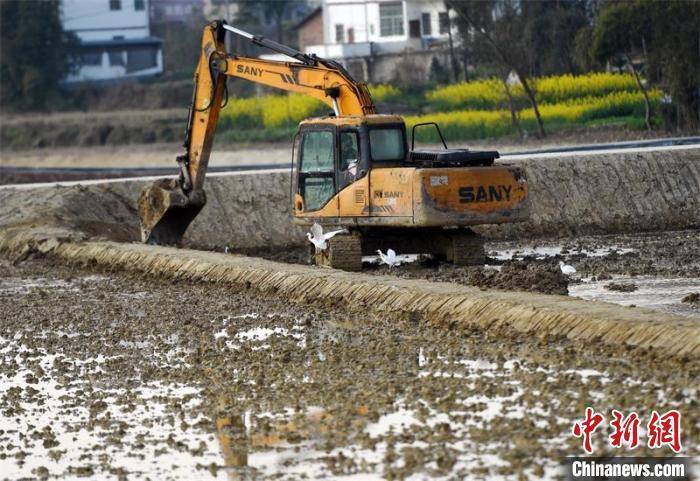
(570, 196)
(93, 128)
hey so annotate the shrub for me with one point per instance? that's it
(241, 113)
(275, 111)
(617, 104)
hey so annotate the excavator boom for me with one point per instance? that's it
(167, 207)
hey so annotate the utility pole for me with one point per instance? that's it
(227, 39)
(453, 58)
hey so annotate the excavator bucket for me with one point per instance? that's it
(165, 211)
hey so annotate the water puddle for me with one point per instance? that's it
(543, 252)
(401, 259)
(256, 336)
(50, 429)
(23, 285)
(652, 292)
(20, 285)
(393, 436)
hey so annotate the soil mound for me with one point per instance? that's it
(521, 276)
(515, 276)
(692, 298)
(621, 286)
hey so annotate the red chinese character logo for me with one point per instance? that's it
(624, 430)
(586, 427)
(665, 430)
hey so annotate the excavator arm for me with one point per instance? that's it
(167, 207)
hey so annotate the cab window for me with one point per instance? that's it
(317, 152)
(348, 164)
(349, 152)
(316, 181)
(387, 144)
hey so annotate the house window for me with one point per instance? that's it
(139, 5)
(141, 58)
(115, 4)
(116, 58)
(91, 57)
(425, 22)
(390, 19)
(339, 33)
(444, 22)
(414, 28)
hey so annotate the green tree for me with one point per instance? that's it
(182, 43)
(439, 75)
(620, 31)
(549, 28)
(35, 53)
(251, 13)
(496, 29)
(667, 36)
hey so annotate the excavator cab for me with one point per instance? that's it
(335, 153)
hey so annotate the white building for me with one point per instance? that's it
(115, 39)
(371, 36)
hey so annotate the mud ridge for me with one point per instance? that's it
(441, 304)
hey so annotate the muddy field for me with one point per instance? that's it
(656, 269)
(112, 376)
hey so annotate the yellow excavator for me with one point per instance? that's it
(351, 169)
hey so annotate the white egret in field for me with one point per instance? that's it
(320, 239)
(389, 258)
(566, 269)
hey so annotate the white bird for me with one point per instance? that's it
(389, 258)
(566, 269)
(319, 239)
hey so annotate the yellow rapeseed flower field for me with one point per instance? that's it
(564, 87)
(274, 111)
(384, 92)
(479, 94)
(490, 94)
(469, 110)
(475, 124)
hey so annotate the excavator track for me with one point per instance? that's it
(344, 252)
(465, 248)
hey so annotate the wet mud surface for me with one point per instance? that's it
(611, 262)
(117, 376)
